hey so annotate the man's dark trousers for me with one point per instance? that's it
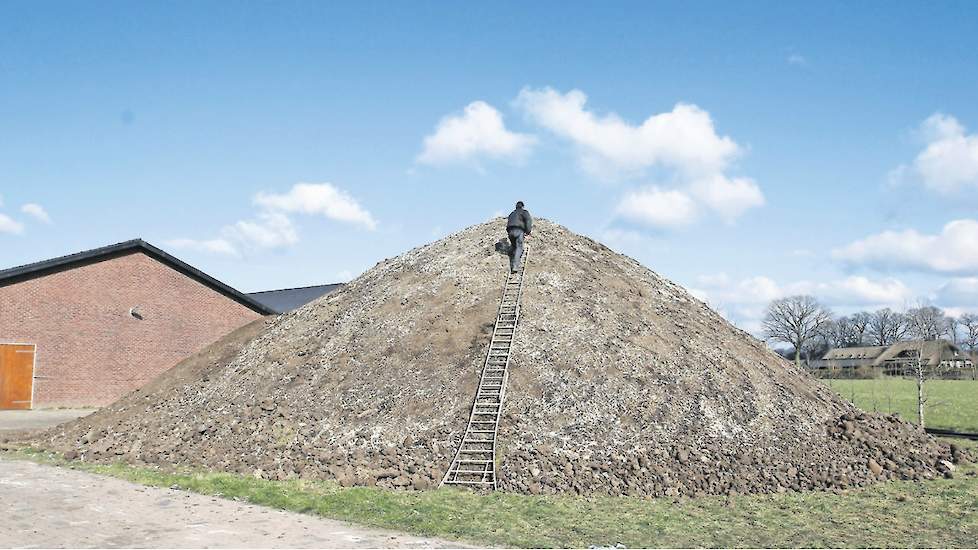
(516, 248)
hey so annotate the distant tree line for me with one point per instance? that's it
(811, 329)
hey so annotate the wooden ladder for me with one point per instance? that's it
(474, 464)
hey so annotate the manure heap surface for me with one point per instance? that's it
(621, 382)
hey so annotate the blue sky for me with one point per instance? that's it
(746, 151)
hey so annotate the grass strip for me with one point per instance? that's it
(941, 513)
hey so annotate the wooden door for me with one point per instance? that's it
(16, 375)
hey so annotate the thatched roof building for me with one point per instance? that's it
(935, 355)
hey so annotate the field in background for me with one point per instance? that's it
(951, 404)
(935, 514)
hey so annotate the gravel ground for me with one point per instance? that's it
(50, 507)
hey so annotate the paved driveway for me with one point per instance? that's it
(37, 419)
(51, 507)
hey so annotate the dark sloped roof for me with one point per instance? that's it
(861, 352)
(287, 299)
(71, 261)
(931, 351)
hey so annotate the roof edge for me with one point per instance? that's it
(46, 267)
(293, 288)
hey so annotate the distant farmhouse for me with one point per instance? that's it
(85, 329)
(938, 357)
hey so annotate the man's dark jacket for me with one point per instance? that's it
(520, 219)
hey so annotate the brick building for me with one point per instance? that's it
(85, 329)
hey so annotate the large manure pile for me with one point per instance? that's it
(621, 382)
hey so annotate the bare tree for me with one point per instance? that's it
(927, 322)
(951, 329)
(860, 324)
(918, 367)
(969, 322)
(795, 320)
(847, 332)
(885, 326)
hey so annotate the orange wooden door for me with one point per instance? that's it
(16, 375)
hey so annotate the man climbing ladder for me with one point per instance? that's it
(474, 464)
(519, 224)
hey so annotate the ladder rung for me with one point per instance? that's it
(469, 482)
(473, 461)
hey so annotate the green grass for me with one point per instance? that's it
(942, 513)
(951, 404)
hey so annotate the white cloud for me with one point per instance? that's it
(478, 132)
(269, 230)
(953, 250)
(657, 207)
(620, 237)
(671, 208)
(683, 138)
(728, 197)
(318, 198)
(797, 60)
(744, 301)
(682, 145)
(214, 246)
(37, 211)
(10, 225)
(272, 227)
(862, 291)
(958, 292)
(949, 160)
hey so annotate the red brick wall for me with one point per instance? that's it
(90, 350)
